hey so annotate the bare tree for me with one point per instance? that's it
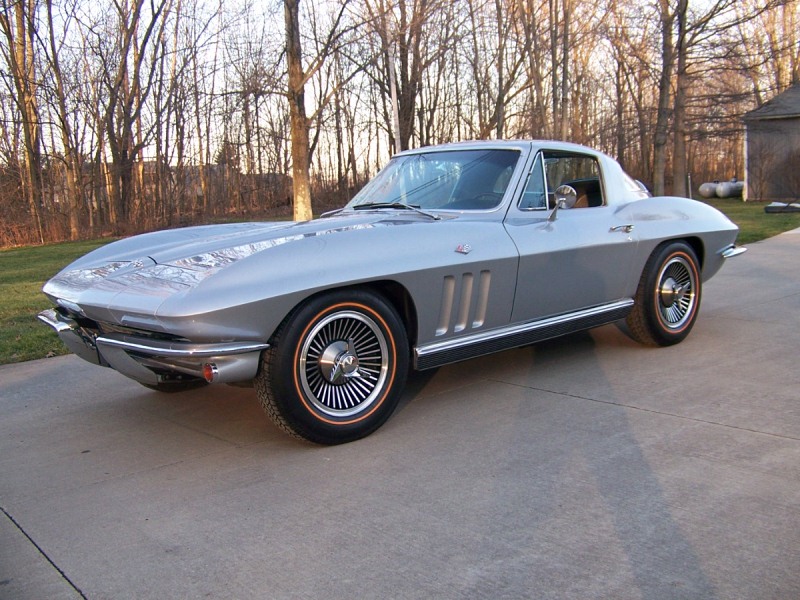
(328, 40)
(530, 24)
(72, 159)
(496, 62)
(409, 44)
(767, 47)
(141, 114)
(686, 35)
(667, 19)
(297, 112)
(128, 87)
(18, 26)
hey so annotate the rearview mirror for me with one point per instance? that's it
(566, 196)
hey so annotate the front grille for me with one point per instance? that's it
(106, 328)
(79, 320)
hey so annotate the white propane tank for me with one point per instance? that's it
(730, 189)
(708, 189)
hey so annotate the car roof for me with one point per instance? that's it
(518, 144)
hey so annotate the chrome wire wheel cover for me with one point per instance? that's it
(676, 293)
(344, 363)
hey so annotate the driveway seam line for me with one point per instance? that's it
(43, 553)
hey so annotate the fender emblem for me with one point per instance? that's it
(463, 248)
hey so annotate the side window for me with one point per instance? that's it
(578, 171)
(535, 194)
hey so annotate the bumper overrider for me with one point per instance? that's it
(153, 361)
(732, 251)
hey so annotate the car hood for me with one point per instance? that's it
(236, 239)
(138, 274)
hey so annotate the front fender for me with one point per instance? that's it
(251, 298)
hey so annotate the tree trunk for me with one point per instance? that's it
(620, 112)
(662, 118)
(679, 173)
(553, 26)
(297, 113)
(565, 42)
(500, 104)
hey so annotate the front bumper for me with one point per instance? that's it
(152, 361)
(732, 251)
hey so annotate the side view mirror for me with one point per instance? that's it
(566, 196)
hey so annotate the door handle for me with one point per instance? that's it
(624, 228)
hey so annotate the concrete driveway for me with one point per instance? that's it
(587, 467)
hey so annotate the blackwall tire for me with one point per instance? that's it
(336, 367)
(668, 297)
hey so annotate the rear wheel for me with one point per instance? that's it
(668, 296)
(336, 368)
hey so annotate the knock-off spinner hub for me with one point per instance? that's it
(339, 362)
(672, 292)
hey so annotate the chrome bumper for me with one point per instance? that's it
(142, 359)
(733, 250)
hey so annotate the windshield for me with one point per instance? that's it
(451, 180)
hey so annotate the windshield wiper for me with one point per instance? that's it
(395, 205)
(333, 212)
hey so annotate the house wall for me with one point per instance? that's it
(773, 159)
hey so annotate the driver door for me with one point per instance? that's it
(578, 258)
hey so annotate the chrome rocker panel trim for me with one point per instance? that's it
(136, 357)
(436, 354)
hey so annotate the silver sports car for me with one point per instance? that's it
(449, 253)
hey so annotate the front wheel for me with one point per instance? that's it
(668, 296)
(336, 367)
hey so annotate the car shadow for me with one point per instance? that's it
(575, 459)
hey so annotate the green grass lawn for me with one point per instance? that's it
(754, 224)
(23, 271)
